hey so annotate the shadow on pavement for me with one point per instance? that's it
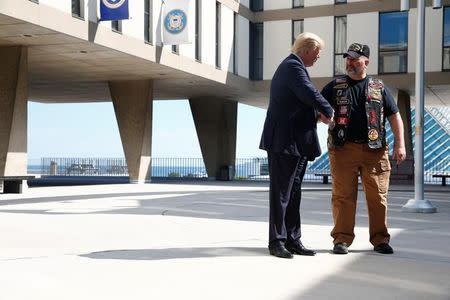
(176, 253)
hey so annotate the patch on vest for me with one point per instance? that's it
(375, 84)
(342, 121)
(373, 118)
(373, 134)
(375, 94)
(343, 110)
(341, 86)
(342, 101)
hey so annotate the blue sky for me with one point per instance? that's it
(90, 130)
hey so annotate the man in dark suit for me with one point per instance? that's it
(290, 139)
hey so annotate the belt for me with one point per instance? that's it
(358, 141)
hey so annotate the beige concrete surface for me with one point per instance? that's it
(208, 241)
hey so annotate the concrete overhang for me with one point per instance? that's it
(72, 60)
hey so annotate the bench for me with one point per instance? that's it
(324, 177)
(443, 176)
(12, 184)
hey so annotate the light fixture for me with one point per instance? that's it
(404, 5)
(437, 4)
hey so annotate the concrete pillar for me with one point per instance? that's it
(216, 121)
(133, 105)
(404, 173)
(13, 111)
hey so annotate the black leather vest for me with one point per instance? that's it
(374, 111)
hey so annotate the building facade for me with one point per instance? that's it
(58, 51)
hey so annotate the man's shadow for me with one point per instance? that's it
(176, 253)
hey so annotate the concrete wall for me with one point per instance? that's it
(243, 47)
(433, 40)
(226, 35)
(368, 36)
(318, 2)
(323, 27)
(277, 42)
(279, 4)
(208, 32)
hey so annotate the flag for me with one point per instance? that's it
(175, 17)
(113, 10)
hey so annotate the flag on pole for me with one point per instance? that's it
(175, 17)
(113, 10)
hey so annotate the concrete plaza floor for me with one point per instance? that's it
(208, 240)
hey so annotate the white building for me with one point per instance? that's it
(58, 51)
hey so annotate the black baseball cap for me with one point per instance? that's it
(356, 50)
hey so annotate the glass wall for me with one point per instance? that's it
(148, 28)
(298, 3)
(393, 43)
(297, 28)
(116, 26)
(256, 50)
(340, 44)
(446, 40)
(218, 37)
(257, 5)
(198, 53)
(78, 8)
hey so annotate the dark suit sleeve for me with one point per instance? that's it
(306, 92)
(327, 92)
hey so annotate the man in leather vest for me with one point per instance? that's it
(357, 147)
(290, 139)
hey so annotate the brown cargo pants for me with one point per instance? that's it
(347, 162)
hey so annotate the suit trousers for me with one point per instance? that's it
(286, 175)
(347, 162)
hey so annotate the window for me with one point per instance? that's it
(393, 37)
(148, 21)
(235, 35)
(218, 37)
(198, 14)
(256, 5)
(340, 1)
(116, 26)
(446, 40)
(340, 44)
(297, 28)
(256, 51)
(78, 8)
(298, 3)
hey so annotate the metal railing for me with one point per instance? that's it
(190, 168)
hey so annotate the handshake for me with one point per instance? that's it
(321, 118)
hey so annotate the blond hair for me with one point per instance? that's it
(307, 41)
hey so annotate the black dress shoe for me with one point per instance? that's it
(383, 248)
(298, 248)
(280, 251)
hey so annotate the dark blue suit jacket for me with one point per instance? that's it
(291, 121)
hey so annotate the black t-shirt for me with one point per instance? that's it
(357, 128)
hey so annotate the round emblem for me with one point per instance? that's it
(373, 134)
(340, 133)
(175, 21)
(113, 3)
